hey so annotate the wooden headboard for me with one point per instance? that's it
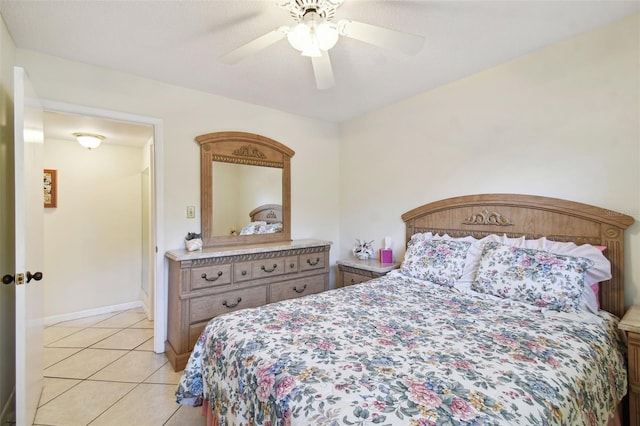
(270, 213)
(534, 217)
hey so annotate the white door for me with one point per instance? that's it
(29, 258)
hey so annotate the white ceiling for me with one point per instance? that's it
(179, 41)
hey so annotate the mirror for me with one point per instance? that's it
(245, 189)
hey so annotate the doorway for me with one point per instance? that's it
(109, 195)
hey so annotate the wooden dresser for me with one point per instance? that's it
(213, 281)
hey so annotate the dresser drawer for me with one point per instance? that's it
(311, 261)
(291, 265)
(349, 278)
(210, 276)
(297, 288)
(268, 267)
(242, 271)
(206, 307)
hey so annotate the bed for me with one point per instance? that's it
(443, 342)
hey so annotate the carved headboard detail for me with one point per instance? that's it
(485, 217)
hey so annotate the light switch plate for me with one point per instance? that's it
(191, 212)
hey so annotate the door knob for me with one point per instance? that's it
(8, 279)
(37, 276)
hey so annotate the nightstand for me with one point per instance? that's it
(631, 324)
(354, 271)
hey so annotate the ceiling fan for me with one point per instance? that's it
(314, 34)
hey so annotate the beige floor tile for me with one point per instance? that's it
(135, 366)
(145, 323)
(146, 405)
(128, 338)
(191, 416)
(166, 375)
(51, 334)
(146, 346)
(83, 403)
(84, 338)
(52, 356)
(52, 387)
(87, 321)
(84, 363)
(122, 320)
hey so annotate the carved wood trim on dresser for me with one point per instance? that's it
(215, 281)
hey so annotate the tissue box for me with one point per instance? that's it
(386, 256)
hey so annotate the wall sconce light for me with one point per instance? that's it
(89, 140)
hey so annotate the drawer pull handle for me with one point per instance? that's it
(313, 263)
(204, 276)
(244, 273)
(292, 265)
(269, 270)
(353, 281)
(300, 291)
(233, 305)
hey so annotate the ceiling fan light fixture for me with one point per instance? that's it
(310, 37)
(327, 35)
(89, 140)
(299, 37)
(315, 32)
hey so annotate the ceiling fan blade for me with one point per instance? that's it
(381, 37)
(323, 71)
(255, 46)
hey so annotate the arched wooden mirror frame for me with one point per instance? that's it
(242, 148)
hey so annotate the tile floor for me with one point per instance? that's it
(102, 370)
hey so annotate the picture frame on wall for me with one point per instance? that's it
(50, 188)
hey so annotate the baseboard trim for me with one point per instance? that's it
(54, 319)
(8, 416)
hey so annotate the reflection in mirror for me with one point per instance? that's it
(239, 189)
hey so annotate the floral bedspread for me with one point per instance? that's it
(396, 351)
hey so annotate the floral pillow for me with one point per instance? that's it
(438, 261)
(536, 277)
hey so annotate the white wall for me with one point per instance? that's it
(7, 258)
(93, 239)
(561, 122)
